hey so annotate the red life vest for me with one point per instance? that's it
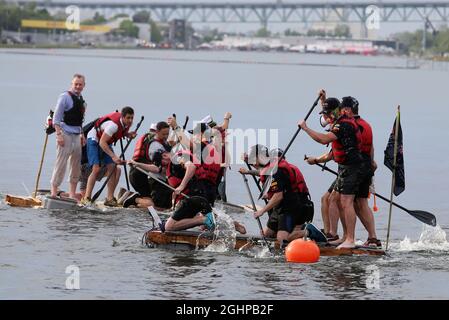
(142, 149)
(338, 150)
(367, 136)
(114, 117)
(297, 182)
(209, 169)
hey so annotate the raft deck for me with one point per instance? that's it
(198, 239)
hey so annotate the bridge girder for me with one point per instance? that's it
(196, 12)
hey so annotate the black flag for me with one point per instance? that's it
(399, 186)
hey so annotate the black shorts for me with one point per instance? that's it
(160, 194)
(293, 211)
(349, 179)
(189, 208)
(366, 177)
(205, 189)
(139, 181)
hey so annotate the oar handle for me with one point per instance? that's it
(255, 181)
(151, 175)
(185, 123)
(292, 139)
(125, 169)
(299, 128)
(255, 209)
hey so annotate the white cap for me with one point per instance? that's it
(153, 127)
(206, 119)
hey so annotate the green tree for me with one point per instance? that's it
(263, 33)
(129, 29)
(97, 19)
(342, 30)
(141, 17)
(316, 33)
(156, 35)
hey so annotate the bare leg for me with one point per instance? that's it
(366, 216)
(173, 225)
(347, 202)
(91, 180)
(267, 232)
(297, 233)
(240, 228)
(118, 172)
(336, 213)
(72, 190)
(281, 236)
(144, 202)
(325, 212)
(111, 183)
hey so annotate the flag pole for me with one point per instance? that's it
(393, 177)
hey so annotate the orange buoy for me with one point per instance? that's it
(302, 251)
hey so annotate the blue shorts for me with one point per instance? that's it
(96, 155)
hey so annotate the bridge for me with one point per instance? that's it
(267, 12)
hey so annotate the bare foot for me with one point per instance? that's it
(337, 242)
(239, 227)
(346, 245)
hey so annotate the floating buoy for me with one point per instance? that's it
(302, 251)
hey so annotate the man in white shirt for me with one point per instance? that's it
(107, 130)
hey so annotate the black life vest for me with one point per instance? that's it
(75, 116)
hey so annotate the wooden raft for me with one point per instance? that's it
(194, 239)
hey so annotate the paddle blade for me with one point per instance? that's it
(153, 213)
(424, 216)
(266, 186)
(222, 191)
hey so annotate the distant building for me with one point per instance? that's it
(177, 31)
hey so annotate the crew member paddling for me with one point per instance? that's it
(345, 137)
(106, 131)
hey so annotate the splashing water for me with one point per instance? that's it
(224, 233)
(258, 252)
(431, 239)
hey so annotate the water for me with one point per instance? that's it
(261, 91)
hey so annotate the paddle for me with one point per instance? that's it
(255, 209)
(97, 194)
(255, 181)
(124, 167)
(174, 130)
(185, 123)
(270, 179)
(423, 216)
(48, 130)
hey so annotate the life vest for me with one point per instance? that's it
(340, 151)
(114, 117)
(209, 168)
(142, 149)
(367, 136)
(296, 179)
(75, 116)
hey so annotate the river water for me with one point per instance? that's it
(262, 91)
